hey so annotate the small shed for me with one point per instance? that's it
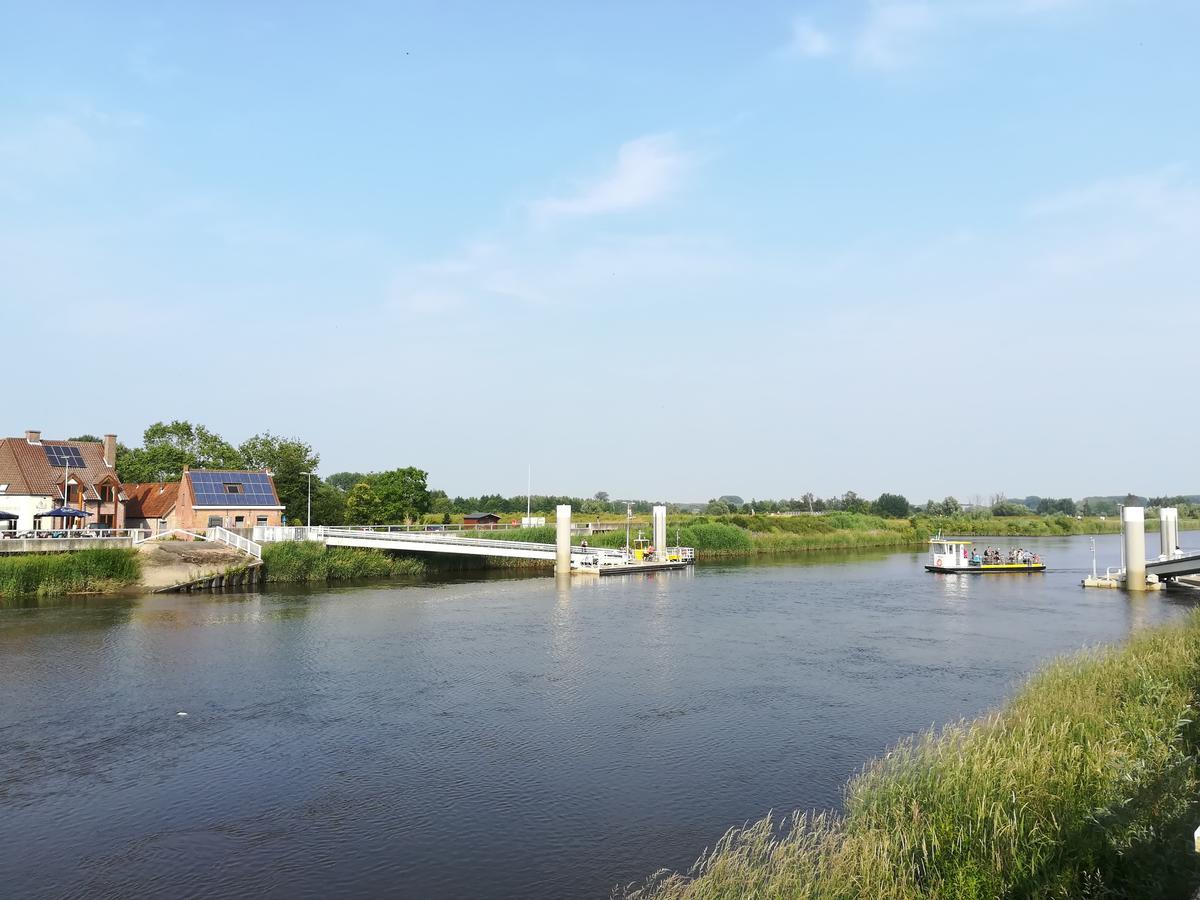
(480, 520)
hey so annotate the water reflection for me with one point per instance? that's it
(507, 737)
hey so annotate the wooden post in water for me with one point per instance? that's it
(562, 544)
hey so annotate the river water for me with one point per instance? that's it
(491, 738)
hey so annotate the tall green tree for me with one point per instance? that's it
(403, 494)
(168, 447)
(344, 481)
(891, 506)
(288, 459)
(362, 505)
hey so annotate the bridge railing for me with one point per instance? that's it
(225, 536)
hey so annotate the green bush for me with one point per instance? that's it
(80, 571)
(1084, 786)
(309, 561)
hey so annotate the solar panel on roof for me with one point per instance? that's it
(61, 456)
(252, 489)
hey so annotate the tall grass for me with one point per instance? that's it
(309, 561)
(1084, 786)
(81, 571)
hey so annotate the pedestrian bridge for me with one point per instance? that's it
(422, 541)
(1174, 568)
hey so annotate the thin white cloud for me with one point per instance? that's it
(892, 34)
(53, 145)
(892, 31)
(808, 41)
(647, 170)
(1163, 194)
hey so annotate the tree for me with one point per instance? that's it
(344, 481)
(403, 494)
(716, 508)
(86, 439)
(851, 502)
(328, 504)
(602, 496)
(362, 505)
(167, 448)
(891, 506)
(733, 501)
(287, 459)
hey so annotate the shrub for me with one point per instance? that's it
(309, 561)
(80, 571)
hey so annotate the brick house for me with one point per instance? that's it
(152, 506)
(228, 498)
(39, 475)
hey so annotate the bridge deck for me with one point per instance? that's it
(1174, 568)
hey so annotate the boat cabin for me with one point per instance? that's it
(949, 552)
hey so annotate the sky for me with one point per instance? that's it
(664, 250)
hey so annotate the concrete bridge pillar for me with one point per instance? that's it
(562, 542)
(660, 531)
(1168, 531)
(1133, 524)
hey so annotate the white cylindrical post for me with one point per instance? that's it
(1168, 531)
(1133, 518)
(562, 534)
(660, 531)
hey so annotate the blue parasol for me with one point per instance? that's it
(66, 512)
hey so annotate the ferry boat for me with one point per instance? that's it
(953, 555)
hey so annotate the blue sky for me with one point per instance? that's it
(662, 250)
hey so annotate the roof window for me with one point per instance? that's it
(233, 487)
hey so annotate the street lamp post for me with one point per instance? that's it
(308, 512)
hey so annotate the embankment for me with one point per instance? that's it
(79, 572)
(1084, 785)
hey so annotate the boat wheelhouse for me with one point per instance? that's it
(955, 556)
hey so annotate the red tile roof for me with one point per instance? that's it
(26, 470)
(151, 501)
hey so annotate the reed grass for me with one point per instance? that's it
(310, 561)
(1083, 786)
(80, 571)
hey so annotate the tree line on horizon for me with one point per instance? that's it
(402, 495)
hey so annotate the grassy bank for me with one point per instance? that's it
(314, 562)
(1085, 785)
(54, 574)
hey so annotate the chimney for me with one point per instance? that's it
(110, 450)
(33, 437)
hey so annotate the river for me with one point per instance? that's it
(506, 737)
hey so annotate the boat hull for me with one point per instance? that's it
(996, 569)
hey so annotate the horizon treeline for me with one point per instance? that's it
(402, 495)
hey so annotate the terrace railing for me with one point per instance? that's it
(73, 534)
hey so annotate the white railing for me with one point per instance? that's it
(71, 534)
(683, 554)
(271, 534)
(221, 535)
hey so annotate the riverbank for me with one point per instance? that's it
(1083, 785)
(79, 572)
(310, 562)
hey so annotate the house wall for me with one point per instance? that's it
(26, 507)
(199, 517)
